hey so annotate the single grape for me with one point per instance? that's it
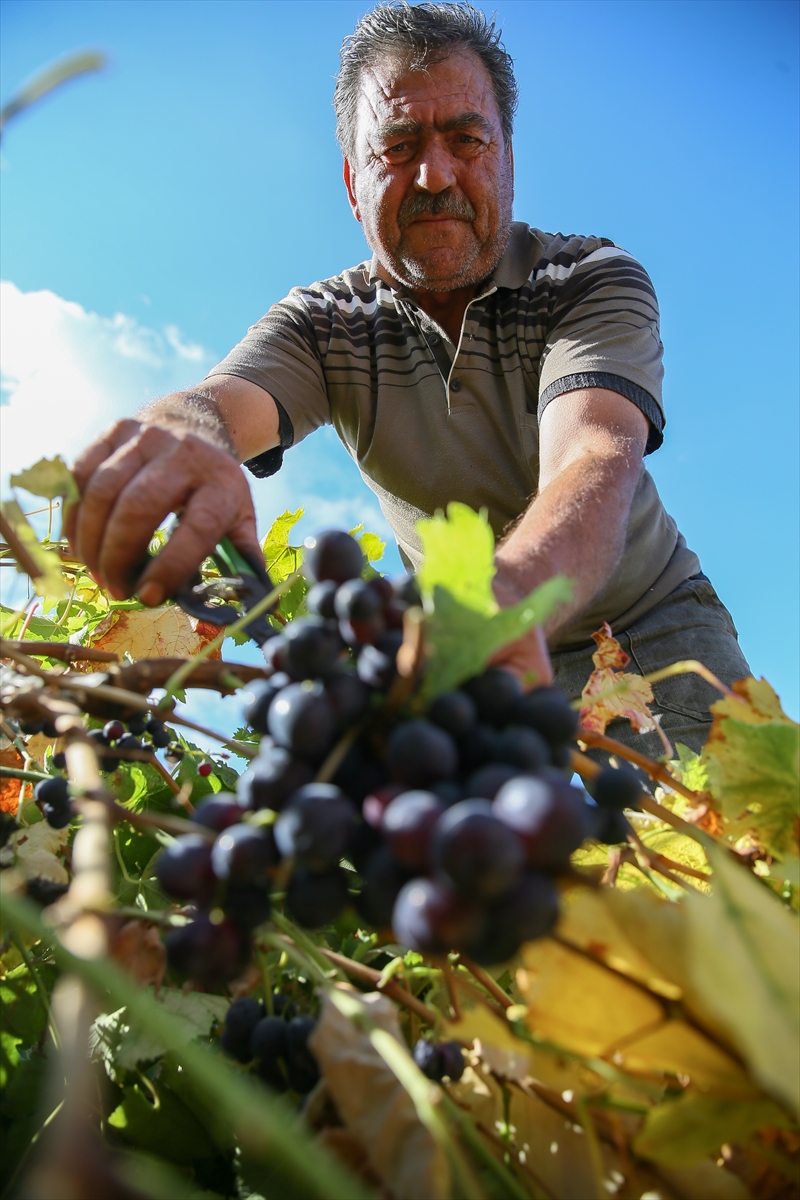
(406, 588)
(480, 854)
(430, 916)
(272, 777)
(129, 744)
(485, 783)
(479, 747)
(407, 825)
(268, 1041)
(244, 853)
(316, 826)
(428, 1057)
(496, 693)
(523, 748)
(375, 669)
(312, 648)
(359, 774)
(53, 791)
(208, 952)
(383, 878)
(113, 731)
(316, 900)
(60, 760)
(58, 816)
(205, 769)
(453, 1060)
(302, 719)
(528, 911)
(247, 904)
(160, 736)
(418, 753)
(362, 633)
(611, 826)
(99, 740)
(349, 697)
(240, 1021)
(320, 600)
(335, 555)
(137, 724)
(218, 812)
(30, 728)
(184, 869)
(617, 787)
(302, 1068)
(548, 711)
(257, 698)
(454, 712)
(357, 600)
(273, 654)
(551, 817)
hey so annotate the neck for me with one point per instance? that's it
(447, 308)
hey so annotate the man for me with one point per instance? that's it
(472, 359)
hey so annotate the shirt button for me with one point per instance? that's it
(455, 385)
(434, 339)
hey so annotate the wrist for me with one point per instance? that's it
(191, 412)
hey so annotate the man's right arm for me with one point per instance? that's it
(180, 454)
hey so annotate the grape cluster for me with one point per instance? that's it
(450, 826)
(115, 737)
(52, 796)
(277, 1044)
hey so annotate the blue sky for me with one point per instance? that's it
(167, 202)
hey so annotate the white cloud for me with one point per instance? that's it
(67, 373)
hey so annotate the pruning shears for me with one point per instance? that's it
(241, 579)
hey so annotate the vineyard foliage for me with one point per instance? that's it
(648, 1046)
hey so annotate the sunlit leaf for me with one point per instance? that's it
(46, 573)
(458, 556)
(610, 692)
(153, 633)
(681, 1132)
(50, 478)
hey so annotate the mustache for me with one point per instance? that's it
(442, 204)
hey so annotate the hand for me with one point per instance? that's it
(528, 657)
(130, 480)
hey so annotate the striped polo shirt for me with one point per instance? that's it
(428, 422)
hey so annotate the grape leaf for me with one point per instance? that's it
(49, 477)
(611, 693)
(753, 760)
(681, 1132)
(34, 850)
(370, 543)
(153, 633)
(49, 581)
(459, 557)
(120, 1047)
(282, 559)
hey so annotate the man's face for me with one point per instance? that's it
(431, 179)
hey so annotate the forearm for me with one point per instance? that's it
(575, 527)
(195, 410)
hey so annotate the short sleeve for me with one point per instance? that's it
(283, 353)
(604, 332)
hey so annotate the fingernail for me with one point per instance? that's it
(151, 594)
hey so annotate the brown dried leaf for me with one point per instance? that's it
(137, 947)
(630, 702)
(9, 788)
(154, 633)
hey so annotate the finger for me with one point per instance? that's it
(204, 522)
(102, 491)
(90, 459)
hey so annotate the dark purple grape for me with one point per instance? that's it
(548, 711)
(561, 757)
(477, 851)
(137, 724)
(407, 825)
(550, 817)
(362, 633)
(383, 878)
(49, 728)
(113, 731)
(218, 812)
(610, 826)
(376, 669)
(428, 1057)
(406, 588)
(53, 791)
(349, 697)
(301, 1066)
(523, 748)
(45, 892)
(496, 693)
(208, 952)
(273, 654)
(257, 698)
(99, 739)
(30, 728)
(312, 648)
(244, 853)
(418, 753)
(58, 816)
(455, 712)
(617, 787)
(528, 911)
(453, 1060)
(240, 1021)
(184, 869)
(433, 918)
(160, 736)
(268, 1041)
(389, 643)
(393, 615)
(384, 587)
(59, 760)
(316, 900)
(485, 783)
(376, 802)
(320, 600)
(302, 719)
(359, 774)
(357, 600)
(272, 777)
(316, 826)
(478, 747)
(130, 744)
(247, 904)
(335, 555)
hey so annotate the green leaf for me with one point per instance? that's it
(370, 543)
(462, 640)
(459, 557)
(9, 1056)
(24, 1013)
(49, 581)
(170, 1130)
(743, 960)
(152, 1177)
(690, 768)
(49, 477)
(683, 1131)
(282, 559)
(122, 1047)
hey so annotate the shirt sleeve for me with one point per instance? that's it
(283, 353)
(604, 332)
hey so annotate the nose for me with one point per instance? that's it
(435, 169)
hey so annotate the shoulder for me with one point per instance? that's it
(350, 293)
(534, 258)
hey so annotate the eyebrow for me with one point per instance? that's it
(466, 120)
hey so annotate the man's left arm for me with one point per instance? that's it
(591, 444)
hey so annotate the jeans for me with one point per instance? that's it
(692, 622)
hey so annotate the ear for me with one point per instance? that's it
(350, 184)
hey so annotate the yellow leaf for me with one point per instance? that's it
(682, 1131)
(580, 1005)
(611, 693)
(152, 633)
(681, 1050)
(49, 581)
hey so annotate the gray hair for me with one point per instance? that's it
(421, 34)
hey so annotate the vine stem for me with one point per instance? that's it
(652, 768)
(486, 981)
(364, 974)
